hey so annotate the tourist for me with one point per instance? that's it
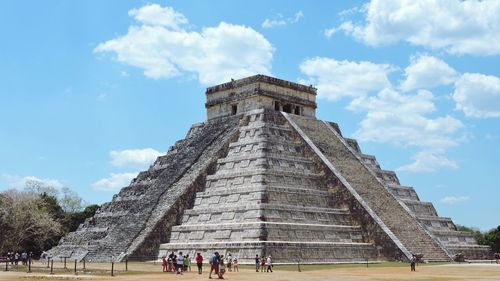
(24, 258)
(497, 257)
(413, 260)
(199, 262)
(16, 258)
(257, 263)
(164, 263)
(236, 263)
(222, 267)
(187, 263)
(262, 264)
(229, 261)
(44, 257)
(174, 263)
(170, 262)
(214, 265)
(269, 264)
(180, 263)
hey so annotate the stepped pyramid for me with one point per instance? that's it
(263, 176)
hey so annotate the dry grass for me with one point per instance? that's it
(152, 271)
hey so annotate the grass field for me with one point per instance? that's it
(152, 271)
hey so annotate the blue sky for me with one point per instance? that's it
(92, 91)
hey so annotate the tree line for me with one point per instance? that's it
(490, 238)
(34, 219)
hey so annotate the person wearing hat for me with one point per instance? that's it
(269, 264)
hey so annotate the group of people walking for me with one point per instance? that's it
(263, 264)
(14, 258)
(218, 264)
(176, 263)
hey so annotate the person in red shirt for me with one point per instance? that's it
(199, 262)
(164, 263)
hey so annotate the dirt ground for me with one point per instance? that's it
(151, 271)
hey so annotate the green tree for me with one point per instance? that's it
(73, 220)
(476, 232)
(492, 238)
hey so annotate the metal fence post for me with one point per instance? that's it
(126, 263)
(112, 268)
(52, 266)
(65, 263)
(75, 266)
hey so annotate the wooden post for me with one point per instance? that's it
(75, 266)
(65, 263)
(52, 266)
(29, 264)
(126, 263)
(112, 268)
(6, 265)
(83, 263)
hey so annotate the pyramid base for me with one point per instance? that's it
(471, 252)
(281, 252)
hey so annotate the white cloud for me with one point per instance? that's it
(450, 200)
(134, 157)
(114, 182)
(392, 117)
(426, 72)
(478, 95)
(427, 161)
(18, 182)
(329, 32)
(164, 49)
(154, 14)
(336, 79)
(459, 27)
(280, 21)
(298, 15)
(268, 23)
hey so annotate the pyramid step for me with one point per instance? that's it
(363, 184)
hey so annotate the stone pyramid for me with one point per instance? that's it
(263, 176)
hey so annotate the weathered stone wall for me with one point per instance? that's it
(443, 229)
(268, 197)
(134, 222)
(259, 92)
(392, 217)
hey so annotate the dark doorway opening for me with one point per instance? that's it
(297, 110)
(276, 106)
(234, 109)
(287, 108)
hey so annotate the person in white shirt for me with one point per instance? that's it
(269, 264)
(180, 263)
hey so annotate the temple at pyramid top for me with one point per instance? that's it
(257, 92)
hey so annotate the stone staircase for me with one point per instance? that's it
(268, 198)
(137, 220)
(395, 218)
(441, 228)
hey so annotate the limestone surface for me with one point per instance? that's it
(262, 176)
